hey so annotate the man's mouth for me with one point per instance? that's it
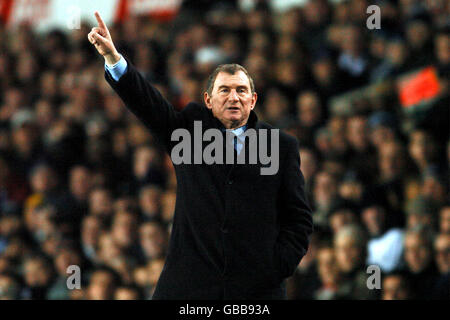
(233, 108)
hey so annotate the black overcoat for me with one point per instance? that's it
(236, 234)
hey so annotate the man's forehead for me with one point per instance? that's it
(239, 78)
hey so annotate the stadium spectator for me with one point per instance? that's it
(395, 287)
(420, 264)
(385, 246)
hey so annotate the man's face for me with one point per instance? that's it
(441, 48)
(348, 253)
(340, 219)
(324, 188)
(100, 202)
(373, 218)
(357, 132)
(41, 180)
(444, 221)
(327, 267)
(417, 254)
(155, 268)
(232, 99)
(101, 286)
(80, 182)
(151, 239)
(8, 288)
(442, 252)
(309, 109)
(90, 231)
(36, 274)
(108, 248)
(308, 165)
(391, 160)
(415, 219)
(124, 229)
(394, 289)
(150, 200)
(125, 294)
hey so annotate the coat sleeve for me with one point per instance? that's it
(295, 216)
(147, 103)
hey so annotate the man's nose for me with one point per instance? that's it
(233, 95)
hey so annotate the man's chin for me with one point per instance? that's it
(233, 116)
(234, 119)
(233, 113)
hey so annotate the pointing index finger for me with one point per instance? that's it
(101, 24)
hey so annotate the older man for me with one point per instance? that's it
(237, 233)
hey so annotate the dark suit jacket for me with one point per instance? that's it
(236, 234)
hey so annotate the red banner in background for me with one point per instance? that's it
(122, 11)
(162, 10)
(419, 87)
(47, 14)
(33, 12)
(5, 10)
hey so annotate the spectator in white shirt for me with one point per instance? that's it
(385, 246)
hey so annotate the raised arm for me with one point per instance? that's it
(140, 97)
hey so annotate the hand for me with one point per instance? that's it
(101, 39)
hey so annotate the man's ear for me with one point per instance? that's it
(207, 99)
(254, 98)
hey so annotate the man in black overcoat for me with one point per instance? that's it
(236, 233)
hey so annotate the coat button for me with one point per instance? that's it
(224, 230)
(230, 181)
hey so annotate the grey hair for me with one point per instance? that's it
(230, 68)
(353, 231)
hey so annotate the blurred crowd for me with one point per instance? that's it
(82, 182)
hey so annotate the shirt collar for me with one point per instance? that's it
(239, 131)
